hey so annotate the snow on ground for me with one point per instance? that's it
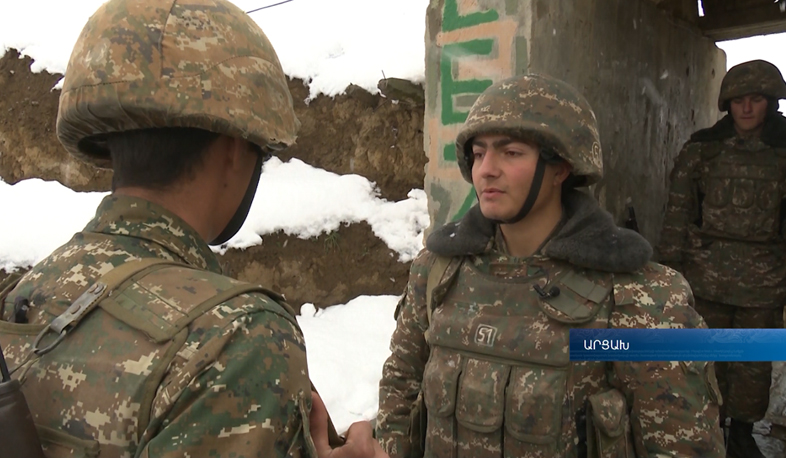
(346, 348)
(328, 43)
(332, 43)
(305, 201)
(39, 216)
(292, 197)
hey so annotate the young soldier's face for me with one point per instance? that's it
(502, 173)
(748, 112)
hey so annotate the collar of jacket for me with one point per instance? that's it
(773, 133)
(138, 218)
(588, 239)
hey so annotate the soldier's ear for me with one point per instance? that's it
(561, 172)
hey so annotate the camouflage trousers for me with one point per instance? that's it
(745, 386)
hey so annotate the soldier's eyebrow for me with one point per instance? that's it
(497, 144)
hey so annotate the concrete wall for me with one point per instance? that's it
(652, 81)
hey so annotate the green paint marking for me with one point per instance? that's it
(449, 153)
(450, 87)
(452, 20)
(468, 202)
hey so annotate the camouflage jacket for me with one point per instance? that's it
(723, 227)
(232, 382)
(491, 366)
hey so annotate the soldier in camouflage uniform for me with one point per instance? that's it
(128, 339)
(480, 364)
(723, 230)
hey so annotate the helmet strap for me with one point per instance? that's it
(241, 213)
(534, 191)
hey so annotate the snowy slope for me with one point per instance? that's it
(307, 202)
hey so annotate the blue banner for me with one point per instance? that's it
(678, 344)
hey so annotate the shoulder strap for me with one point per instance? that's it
(105, 292)
(117, 280)
(88, 300)
(434, 281)
(137, 315)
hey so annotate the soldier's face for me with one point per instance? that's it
(502, 173)
(748, 112)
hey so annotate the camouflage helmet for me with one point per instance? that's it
(754, 77)
(539, 108)
(146, 63)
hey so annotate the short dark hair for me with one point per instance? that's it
(157, 158)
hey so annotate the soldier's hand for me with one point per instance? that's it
(359, 444)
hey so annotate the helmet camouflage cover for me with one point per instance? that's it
(541, 109)
(145, 63)
(754, 77)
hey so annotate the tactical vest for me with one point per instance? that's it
(151, 325)
(736, 254)
(499, 382)
(742, 184)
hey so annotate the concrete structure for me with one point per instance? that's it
(652, 80)
(729, 19)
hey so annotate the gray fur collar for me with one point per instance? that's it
(588, 239)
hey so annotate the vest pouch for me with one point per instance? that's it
(608, 428)
(719, 191)
(742, 199)
(579, 299)
(533, 410)
(480, 406)
(440, 387)
(59, 444)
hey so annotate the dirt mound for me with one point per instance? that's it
(364, 134)
(28, 144)
(328, 270)
(359, 133)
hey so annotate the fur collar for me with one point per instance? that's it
(588, 239)
(773, 133)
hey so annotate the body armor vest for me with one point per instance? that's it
(498, 382)
(151, 325)
(743, 190)
(736, 254)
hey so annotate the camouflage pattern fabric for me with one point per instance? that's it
(541, 109)
(494, 372)
(753, 77)
(202, 64)
(233, 383)
(723, 227)
(745, 386)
